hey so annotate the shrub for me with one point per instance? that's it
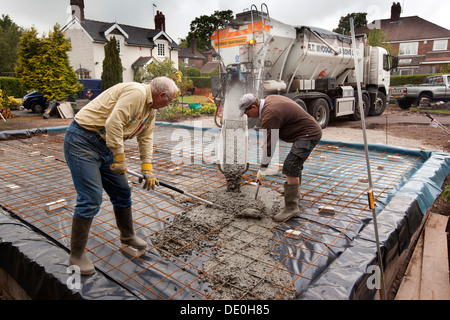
(446, 193)
(201, 82)
(12, 87)
(410, 79)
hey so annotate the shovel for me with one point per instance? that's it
(257, 189)
(168, 186)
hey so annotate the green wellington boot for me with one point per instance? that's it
(124, 222)
(78, 240)
(291, 198)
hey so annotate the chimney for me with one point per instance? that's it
(77, 7)
(396, 10)
(194, 44)
(160, 21)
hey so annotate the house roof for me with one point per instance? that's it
(409, 28)
(210, 66)
(187, 53)
(141, 61)
(133, 35)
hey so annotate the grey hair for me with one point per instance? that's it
(164, 84)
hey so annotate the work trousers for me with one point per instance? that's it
(300, 151)
(89, 161)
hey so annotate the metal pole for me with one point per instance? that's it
(175, 189)
(366, 148)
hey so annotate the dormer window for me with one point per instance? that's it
(161, 50)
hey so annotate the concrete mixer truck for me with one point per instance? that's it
(312, 66)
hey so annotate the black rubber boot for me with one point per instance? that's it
(78, 240)
(124, 220)
(291, 198)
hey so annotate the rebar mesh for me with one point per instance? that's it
(37, 187)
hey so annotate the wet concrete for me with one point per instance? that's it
(241, 266)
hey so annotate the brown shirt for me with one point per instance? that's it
(292, 122)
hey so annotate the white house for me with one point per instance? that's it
(137, 46)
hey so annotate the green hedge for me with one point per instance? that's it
(12, 87)
(201, 82)
(411, 79)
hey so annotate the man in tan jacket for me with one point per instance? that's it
(94, 152)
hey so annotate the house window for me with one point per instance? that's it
(408, 49)
(440, 45)
(83, 73)
(118, 45)
(406, 72)
(404, 61)
(161, 49)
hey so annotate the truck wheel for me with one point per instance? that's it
(424, 99)
(319, 110)
(366, 105)
(37, 107)
(301, 103)
(380, 105)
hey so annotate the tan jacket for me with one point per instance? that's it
(122, 112)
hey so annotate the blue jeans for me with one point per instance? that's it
(89, 161)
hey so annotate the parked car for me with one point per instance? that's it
(35, 102)
(435, 88)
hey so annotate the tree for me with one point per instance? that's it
(112, 65)
(204, 26)
(10, 34)
(377, 38)
(445, 68)
(44, 64)
(29, 47)
(165, 68)
(359, 19)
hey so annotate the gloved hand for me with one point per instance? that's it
(119, 166)
(261, 175)
(150, 180)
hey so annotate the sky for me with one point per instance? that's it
(44, 14)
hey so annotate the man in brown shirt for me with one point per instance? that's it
(293, 124)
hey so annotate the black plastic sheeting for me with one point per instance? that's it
(19, 133)
(347, 277)
(9, 134)
(40, 267)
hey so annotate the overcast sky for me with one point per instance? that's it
(43, 14)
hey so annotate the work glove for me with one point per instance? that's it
(119, 166)
(261, 175)
(150, 180)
